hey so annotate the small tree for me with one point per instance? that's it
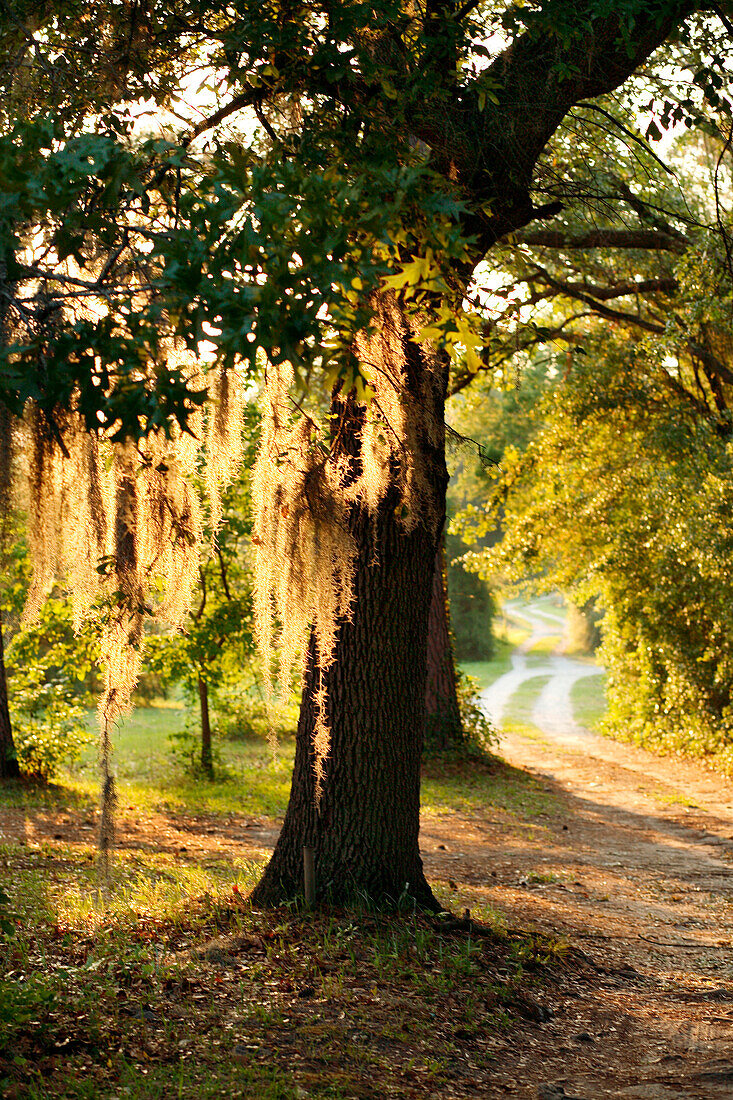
(215, 646)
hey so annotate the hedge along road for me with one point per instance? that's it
(553, 711)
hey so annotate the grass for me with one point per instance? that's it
(167, 983)
(485, 672)
(522, 703)
(248, 779)
(547, 645)
(482, 787)
(514, 633)
(588, 700)
(511, 628)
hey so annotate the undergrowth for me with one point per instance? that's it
(173, 985)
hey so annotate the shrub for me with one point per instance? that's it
(48, 724)
(479, 733)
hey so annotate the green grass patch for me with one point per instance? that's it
(528, 732)
(675, 798)
(588, 700)
(248, 779)
(522, 703)
(482, 787)
(485, 672)
(547, 645)
(514, 633)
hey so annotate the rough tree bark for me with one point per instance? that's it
(444, 729)
(9, 767)
(365, 828)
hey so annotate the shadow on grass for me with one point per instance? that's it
(478, 783)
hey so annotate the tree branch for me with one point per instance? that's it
(223, 571)
(248, 98)
(624, 290)
(602, 238)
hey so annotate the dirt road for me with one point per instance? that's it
(632, 860)
(553, 712)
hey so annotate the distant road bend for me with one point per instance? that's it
(553, 710)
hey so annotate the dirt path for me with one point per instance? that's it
(643, 883)
(634, 863)
(553, 712)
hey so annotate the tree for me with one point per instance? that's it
(621, 498)
(394, 151)
(9, 767)
(215, 644)
(443, 721)
(355, 848)
(619, 495)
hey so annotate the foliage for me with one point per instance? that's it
(618, 496)
(49, 726)
(216, 647)
(297, 210)
(481, 736)
(582, 628)
(625, 501)
(486, 419)
(47, 667)
(472, 610)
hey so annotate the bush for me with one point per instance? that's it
(48, 725)
(583, 628)
(479, 733)
(48, 668)
(475, 736)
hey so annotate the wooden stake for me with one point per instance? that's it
(309, 876)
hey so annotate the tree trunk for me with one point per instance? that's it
(444, 729)
(365, 830)
(207, 761)
(9, 767)
(365, 827)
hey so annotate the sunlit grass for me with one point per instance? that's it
(51, 884)
(521, 704)
(248, 778)
(588, 700)
(485, 672)
(483, 788)
(547, 645)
